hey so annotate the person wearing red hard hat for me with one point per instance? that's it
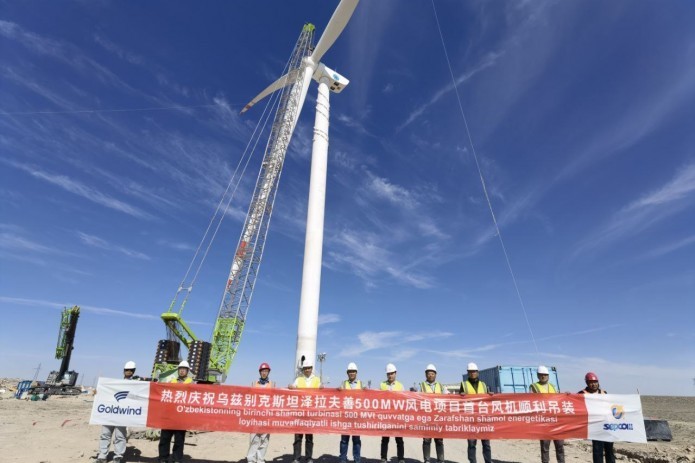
(258, 443)
(179, 435)
(598, 448)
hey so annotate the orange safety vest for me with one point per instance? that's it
(600, 391)
(258, 384)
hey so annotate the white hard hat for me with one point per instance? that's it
(130, 365)
(542, 370)
(352, 366)
(431, 367)
(184, 364)
(472, 367)
(308, 364)
(390, 368)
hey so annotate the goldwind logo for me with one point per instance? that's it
(618, 411)
(120, 395)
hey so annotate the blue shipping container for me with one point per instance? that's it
(510, 379)
(22, 387)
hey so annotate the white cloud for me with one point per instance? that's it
(85, 308)
(79, 189)
(373, 340)
(670, 247)
(96, 242)
(647, 211)
(13, 242)
(488, 61)
(327, 318)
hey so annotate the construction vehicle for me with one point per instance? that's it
(210, 361)
(62, 382)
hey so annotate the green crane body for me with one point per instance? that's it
(210, 362)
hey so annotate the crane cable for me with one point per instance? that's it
(482, 182)
(271, 104)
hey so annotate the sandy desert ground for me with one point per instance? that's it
(57, 431)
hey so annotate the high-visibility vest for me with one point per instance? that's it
(394, 386)
(312, 382)
(186, 380)
(348, 385)
(435, 388)
(258, 384)
(538, 387)
(468, 388)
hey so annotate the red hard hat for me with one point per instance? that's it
(264, 366)
(590, 377)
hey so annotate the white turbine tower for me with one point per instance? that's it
(327, 79)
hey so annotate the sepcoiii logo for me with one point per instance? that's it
(618, 411)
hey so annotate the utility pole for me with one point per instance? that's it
(322, 358)
(36, 375)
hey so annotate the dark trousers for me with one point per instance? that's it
(308, 446)
(400, 451)
(165, 444)
(598, 448)
(559, 451)
(487, 452)
(356, 447)
(438, 446)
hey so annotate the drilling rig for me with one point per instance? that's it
(62, 382)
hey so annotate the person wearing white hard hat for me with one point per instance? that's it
(351, 383)
(307, 380)
(119, 433)
(432, 386)
(544, 386)
(179, 435)
(391, 384)
(473, 385)
(258, 443)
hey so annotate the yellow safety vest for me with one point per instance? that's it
(395, 386)
(468, 388)
(188, 380)
(538, 387)
(312, 382)
(435, 388)
(348, 385)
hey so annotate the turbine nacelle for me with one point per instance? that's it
(336, 83)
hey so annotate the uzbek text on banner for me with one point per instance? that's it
(328, 411)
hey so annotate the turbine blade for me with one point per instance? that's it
(283, 81)
(335, 27)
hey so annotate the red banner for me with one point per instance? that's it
(376, 413)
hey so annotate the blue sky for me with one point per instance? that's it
(120, 129)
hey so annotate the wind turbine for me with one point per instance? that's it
(329, 81)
